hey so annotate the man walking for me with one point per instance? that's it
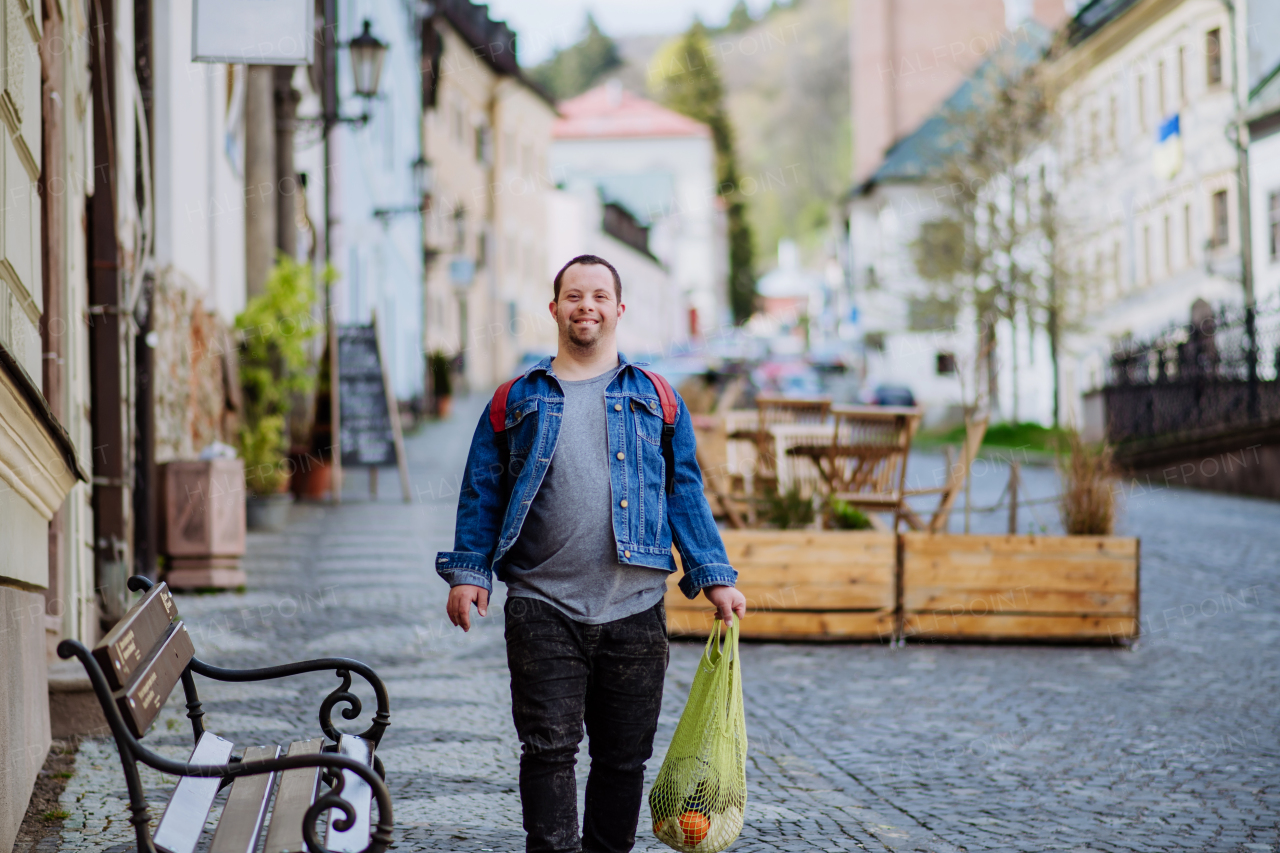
(575, 491)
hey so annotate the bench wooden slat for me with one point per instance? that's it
(357, 792)
(246, 807)
(297, 793)
(145, 695)
(188, 808)
(128, 644)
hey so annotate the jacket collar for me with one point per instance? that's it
(545, 365)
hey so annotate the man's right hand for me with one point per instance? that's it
(461, 598)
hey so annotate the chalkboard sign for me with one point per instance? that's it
(367, 434)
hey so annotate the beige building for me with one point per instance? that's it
(46, 523)
(1148, 176)
(486, 131)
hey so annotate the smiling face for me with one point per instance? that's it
(588, 309)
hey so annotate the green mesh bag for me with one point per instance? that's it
(698, 800)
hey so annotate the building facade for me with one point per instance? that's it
(1149, 191)
(486, 131)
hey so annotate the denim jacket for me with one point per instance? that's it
(646, 520)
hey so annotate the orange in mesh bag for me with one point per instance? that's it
(697, 803)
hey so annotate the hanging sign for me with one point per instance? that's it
(253, 32)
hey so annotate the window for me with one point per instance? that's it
(1168, 245)
(1220, 218)
(1115, 268)
(1182, 75)
(1161, 108)
(1273, 223)
(482, 249)
(484, 144)
(459, 230)
(1095, 125)
(509, 149)
(1146, 254)
(1142, 102)
(1112, 122)
(946, 364)
(1213, 56)
(1186, 233)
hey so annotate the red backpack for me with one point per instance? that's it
(670, 408)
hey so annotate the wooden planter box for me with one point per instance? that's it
(1055, 588)
(803, 585)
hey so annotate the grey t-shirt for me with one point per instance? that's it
(566, 554)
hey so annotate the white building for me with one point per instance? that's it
(659, 166)
(1149, 190)
(1264, 186)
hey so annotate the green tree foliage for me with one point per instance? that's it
(684, 76)
(577, 68)
(740, 19)
(787, 84)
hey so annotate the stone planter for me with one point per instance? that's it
(268, 512)
(203, 523)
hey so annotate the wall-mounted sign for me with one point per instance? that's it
(253, 32)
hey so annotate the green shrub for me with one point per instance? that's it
(275, 365)
(843, 516)
(789, 510)
(441, 373)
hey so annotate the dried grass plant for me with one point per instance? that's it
(1088, 504)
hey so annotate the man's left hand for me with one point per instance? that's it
(728, 601)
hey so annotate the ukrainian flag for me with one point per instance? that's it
(1167, 158)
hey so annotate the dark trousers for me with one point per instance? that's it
(565, 674)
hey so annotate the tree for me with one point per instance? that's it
(575, 69)
(997, 245)
(740, 18)
(684, 76)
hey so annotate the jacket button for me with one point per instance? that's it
(617, 407)
(622, 504)
(621, 455)
(626, 554)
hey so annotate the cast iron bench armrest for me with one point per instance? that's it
(343, 667)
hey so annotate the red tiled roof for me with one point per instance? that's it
(609, 111)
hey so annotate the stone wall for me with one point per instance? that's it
(24, 703)
(194, 354)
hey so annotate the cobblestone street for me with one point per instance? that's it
(1171, 745)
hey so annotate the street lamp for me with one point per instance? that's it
(367, 53)
(424, 176)
(423, 183)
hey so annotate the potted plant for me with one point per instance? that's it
(441, 383)
(275, 366)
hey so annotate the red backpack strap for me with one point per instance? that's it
(498, 406)
(670, 408)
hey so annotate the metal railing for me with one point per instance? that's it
(1216, 374)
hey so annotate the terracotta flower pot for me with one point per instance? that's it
(311, 476)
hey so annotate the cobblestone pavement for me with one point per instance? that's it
(1172, 745)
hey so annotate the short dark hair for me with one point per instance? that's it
(587, 261)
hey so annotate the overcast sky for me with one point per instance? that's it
(544, 25)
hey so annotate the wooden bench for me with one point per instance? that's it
(133, 670)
